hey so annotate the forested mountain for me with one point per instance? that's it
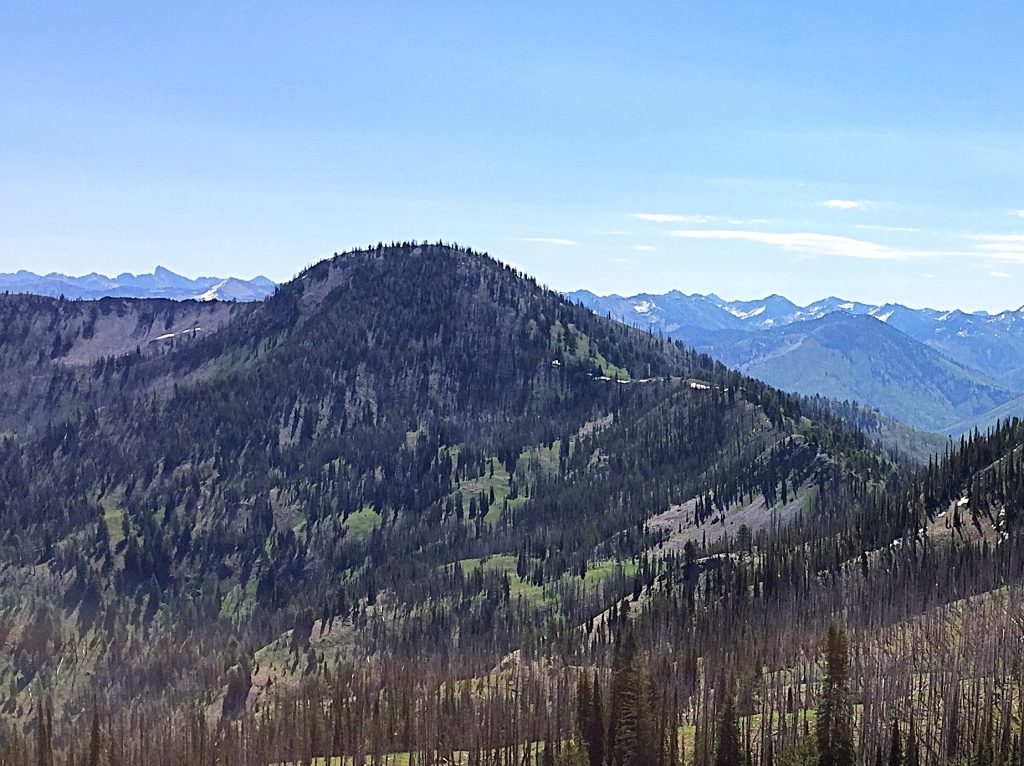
(412, 500)
(842, 356)
(47, 345)
(162, 283)
(943, 371)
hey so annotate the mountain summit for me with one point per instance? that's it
(415, 435)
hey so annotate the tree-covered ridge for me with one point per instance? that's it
(414, 460)
(46, 343)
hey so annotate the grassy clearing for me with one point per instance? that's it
(507, 563)
(112, 504)
(362, 523)
(411, 437)
(607, 368)
(542, 459)
(605, 568)
(584, 350)
(495, 479)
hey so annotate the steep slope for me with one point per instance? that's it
(756, 336)
(45, 344)
(992, 344)
(860, 358)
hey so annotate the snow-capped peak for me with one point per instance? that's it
(745, 314)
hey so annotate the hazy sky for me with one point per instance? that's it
(869, 150)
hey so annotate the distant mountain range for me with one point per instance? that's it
(162, 283)
(942, 371)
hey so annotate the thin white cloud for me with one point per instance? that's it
(1007, 248)
(809, 243)
(672, 218)
(643, 248)
(846, 204)
(876, 227)
(550, 241)
(1019, 213)
(991, 240)
(999, 275)
(611, 232)
(749, 221)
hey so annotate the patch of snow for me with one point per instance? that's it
(165, 336)
(699, 385)
(213, 293)
(643, 307)
(746, 314)
(883, 317)
(846, 306)
(962, 502)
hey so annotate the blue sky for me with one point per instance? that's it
(869, 150)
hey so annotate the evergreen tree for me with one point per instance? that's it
(895, 748)
(590, 718)
(94, 737)
(548, 756)
(728, 751)
(633, 731)
(912, 757)
(834, 723)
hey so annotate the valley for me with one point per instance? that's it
(945, 372)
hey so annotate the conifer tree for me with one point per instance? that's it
(44, 744)
(834, 723)
(895, 748)
(633, 731)
(728, 751)
(548, 757)
(912, 757)
(94, 737)
(590, 718)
